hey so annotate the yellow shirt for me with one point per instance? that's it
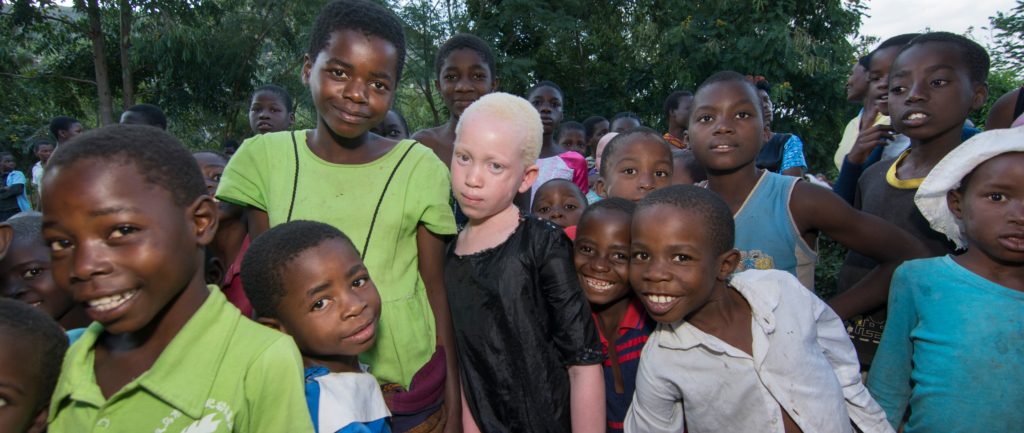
(850, 137)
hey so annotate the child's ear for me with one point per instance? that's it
(686, 139)
(953, 200)
(728, 262)
(767, 132)
(307, 67)
(203, 213)
(494, 85)
(6, 237)
(214, 271)
(39, 422)
(599, 188)
(291, 118)
(529, 178)
(437, 86)
(980, 96)
(271, 323)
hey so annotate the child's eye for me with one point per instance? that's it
(543, 209)
(32, 273)
(338, 73)
(586, 250)
(496, 166)
(393, 133)
(450, 77)
(254, 109)
(122, 231)
(215, 177)
(640, 256)
(704, 118)
(620, 257)
(939, 82)
(59, 245)
(629, 171)
(479, 76)
(378, 85)
(742, 115)
(3, 402)
(680, 258)
(570, 206)
(896, 89)
(360, 282)
(996, 196)
(661, 173)
(320, 305)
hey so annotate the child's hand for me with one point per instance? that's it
(868, 140)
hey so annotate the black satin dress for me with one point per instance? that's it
(520, 319)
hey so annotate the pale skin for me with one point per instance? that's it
(487, 173)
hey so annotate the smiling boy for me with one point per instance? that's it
(751, 352)
(166, 352)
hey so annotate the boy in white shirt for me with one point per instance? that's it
(751, 352)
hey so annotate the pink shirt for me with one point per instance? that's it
(569, 165)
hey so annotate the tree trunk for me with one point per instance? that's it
(127, 80)
(99, 60)
(579, 54)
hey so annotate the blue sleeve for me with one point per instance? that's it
(968, 132)
(846, 185)
(793, 154)
(378, 426)
(313, 400)
(15, 178)
(889, 381)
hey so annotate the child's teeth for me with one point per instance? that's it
(916, 116)
(110, 302)
(599, 284)
(660, 299)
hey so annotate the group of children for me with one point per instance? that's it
(349, 279)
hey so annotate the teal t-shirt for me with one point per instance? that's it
(953, 349)
(221, 373)
(262, 174)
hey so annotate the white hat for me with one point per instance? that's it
(947, 174)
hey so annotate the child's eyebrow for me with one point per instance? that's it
(355, 270)
(12, 386)
(313, 292)
(113, 210)
(380, 74)
(732, 105)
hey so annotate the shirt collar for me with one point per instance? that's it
(183, 374)
(763, 300)
(634, 318)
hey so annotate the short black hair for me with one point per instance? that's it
(49, 342)
(229, 143)
(718, 222)
(218, 153)
(466, 41)
(270, 254)
(971, 53)
(402, 119)
(575, 189)
(672, 102)
(624, 137)
(280, 92)
(731, 77)
(363, 16)
(153, 114)
(865, 61)
(610, 204)
(570, 125)
(763, 85)
(545, 83)
(35, 146)
(895, 41)
(624, 115)
(29, 228)
(158, 157)
(692, 166)
(591, 122)
(61, 123)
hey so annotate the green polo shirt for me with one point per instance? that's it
(221, 373)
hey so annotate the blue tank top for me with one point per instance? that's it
(766, 234)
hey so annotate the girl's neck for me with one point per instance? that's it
(1006, 274)
(549, 148)
(334, 148)
(734, 186)
(610, 316)
(334, 364)
(489, 232)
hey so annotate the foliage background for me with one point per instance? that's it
(199, 60)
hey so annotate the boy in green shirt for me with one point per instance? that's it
(166, 352)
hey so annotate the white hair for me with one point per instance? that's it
(516, 112)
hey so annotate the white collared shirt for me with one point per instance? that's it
(803, 360)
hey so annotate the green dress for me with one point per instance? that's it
(262, 174)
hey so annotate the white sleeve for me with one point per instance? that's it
(838, 349)
(656, 407)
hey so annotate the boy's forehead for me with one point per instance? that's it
(464, 57)
(883, 58)
(715, 94)
(928, 55)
